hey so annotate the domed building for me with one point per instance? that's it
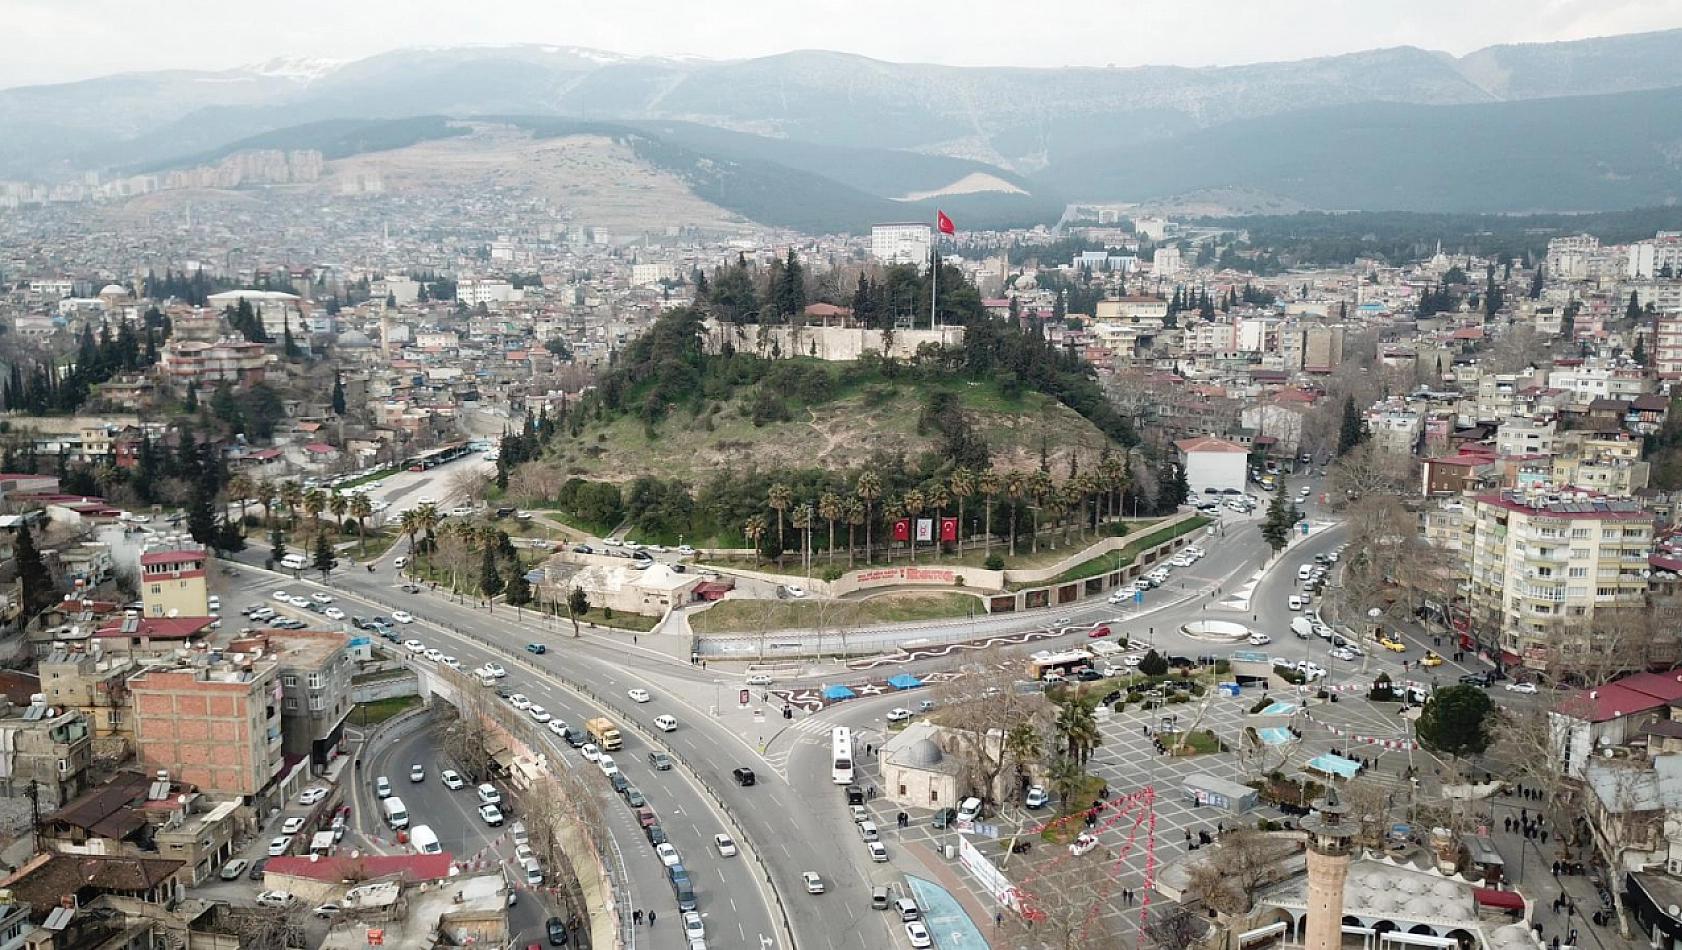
(927, 766)
(114, 296)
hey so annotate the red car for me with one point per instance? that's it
(1099, 631)
(645, 816)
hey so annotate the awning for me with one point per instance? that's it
(1506, 900)
(904, 681)
(503, 758)
(838, 692)
(1511, 659)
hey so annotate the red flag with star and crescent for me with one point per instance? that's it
(944, 223)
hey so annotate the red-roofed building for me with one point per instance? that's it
(1614, 715)
(1213, 463)
(151, 636)
(173, 581)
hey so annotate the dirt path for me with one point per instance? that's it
(831, 440)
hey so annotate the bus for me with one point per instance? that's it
(1064, 663)
(841, 755)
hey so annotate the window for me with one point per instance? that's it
(1579, 532)
(317, 704)
(289, 681)
(292, 704)
(1578, 572)
(157, 588)
(316, 680)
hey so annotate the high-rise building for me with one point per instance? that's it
(213, 724)
(901, 243)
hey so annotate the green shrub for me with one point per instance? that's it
(994, 562)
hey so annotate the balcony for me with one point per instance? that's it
(1551, 556)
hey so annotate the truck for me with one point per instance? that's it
(604, 732)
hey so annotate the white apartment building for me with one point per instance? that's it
(1667, 351)
(1395, 427)
(1662, 254)
(486, 290)
(1540, 566)
(1591, 381)
(1165, 262)
(1521, 436)
(901, 243)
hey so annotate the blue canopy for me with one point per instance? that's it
(904, 681)
(838, 692)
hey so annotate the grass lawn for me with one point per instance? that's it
(1066, 827)
(1120, 559)
(1201, 742)
(640, 623)
(742, 616)
(380, 710)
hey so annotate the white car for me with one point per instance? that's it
(918, 935)
(1519, 687)
(1036, 797)
(1082, 845)
(878, 851)
(519, 701)
(539, 714)
(491, 814)
(292, 826)
(1339, 653)
(814, 883)
(589, 751)
(693, 927)
(279, 846)
(638, 695)
(273, 899)
(685, 550)
(452, 779)
(666, 723)
(901, 714)
(760, 679)
(283, 597)
(414, 646)
(606, 764)
(495, 669)
(794, 591)
(631, 545)
(668, 854)
(321, 598)
(450, 662)
(434, 654)
(1133, 659)
(334, 613)
(311, 795)
(402, 616)
(726, 847)
(613, 542)
(1259, 639)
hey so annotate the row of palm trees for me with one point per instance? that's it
(1080, 502)
(1077, 736)
(291, 497)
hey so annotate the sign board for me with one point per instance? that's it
(742, 698)
(376, 936)
(985, 830)
(994, 881)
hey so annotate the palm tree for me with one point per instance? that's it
(805, 517)
(1072, 493)
(830, 510)
(1041, 488)
(1077, 727)
(780, 498)
(241, 487)
(914, 501)
(426, 516)
(409, 521)
(939, 498)
(290, 497)
(1023, 745)
(1112, 473)
(315, 502)
(987, 486)
(853, 511)
(338, 504)
(1066, 776)
(868, 489)
(892, 510)
(1015, 486)
(961, 483)
(754, 530)
(361, 509)
(266, 497)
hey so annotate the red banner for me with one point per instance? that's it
(948, 529)
(902, 529)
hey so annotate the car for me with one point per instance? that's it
(685, 550)
(645, 817)
(402, 616)
(334, 613)
(969, 809)
(693, 927)
(400, 563)
(1340, 653)
(760, 679)
(234, 870)
(414, 646)
(491, 814)
(417, 772)
(666, 723)
(744, 776)
(1088, 675)
(262, 613)
(794, 591)
(312, 795)
(660, 760)
(638, 695)
(558, 727)
(814, 883)
(519, 701)
(1519, 687)
(539, 714)
(324, 911)
(273, 899)
(918, 935)
(726, 847)
(452, 780)
(1475, 679)
(435, 655)
(606, 764)
(450, 662)
(1083, 845)
(1393, 645)
(536, 648)
(877, 850)
(613, 542)
(668, 855)
(557, 930)
(899, 714)
(279, 846)
(1099, 631)
(283, 597)
(299, 601)
(1036, 797)
(382, 787)
(1431, 659)
(504, 692)
(1296, 601)
(495, 669)
(590, 752)
(257, 868)
(292, 826)
(944, 818)
(633, 797)
(583, 549)
(321, 598)
(1259, 639)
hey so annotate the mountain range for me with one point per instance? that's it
(1499, 129)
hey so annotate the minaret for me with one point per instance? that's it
(1328, 866)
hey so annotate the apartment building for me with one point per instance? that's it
(211, 364)
(173, 581)
(47, 747)
(214, 724)
(1667, 354)
(906, 243)
(97, 685)
(1543, 567)
(315, 673)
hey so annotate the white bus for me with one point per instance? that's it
(395, 814)
(841, 755)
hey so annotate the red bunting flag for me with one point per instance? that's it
(948, 529)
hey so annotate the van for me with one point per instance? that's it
(1302, 627)
(294, 562)
(1297, 602)
(868, 831)
(425, 841)
(969, 809)
(488, 795)
(521, 838)
(382, 787)
(534, 872)
(908, 909)
(395, 814)
(880, 897)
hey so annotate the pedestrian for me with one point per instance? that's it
(1544, 836)
(636, 917)
(651, 918)
(1573, 938)
(633, 638)
(869, 749)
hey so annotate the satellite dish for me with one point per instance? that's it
(1673, 910)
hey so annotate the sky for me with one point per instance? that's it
(65, 40)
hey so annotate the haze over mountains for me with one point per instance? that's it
(1585, 125)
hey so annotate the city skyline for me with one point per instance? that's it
(112, 38)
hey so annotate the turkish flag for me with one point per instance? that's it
(948, 529)
(944, 223)
(902, 529)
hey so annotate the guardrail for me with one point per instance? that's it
(624, 721)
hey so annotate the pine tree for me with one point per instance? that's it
(324, 559)
(277, 545)
(289, 346)
(490, 580)
(1632, 312)
(191, 405)
(518, 589)
(338, 394)
(1281, 516)
(39, 591)
(1353, 429)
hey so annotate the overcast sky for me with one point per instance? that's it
(62, 40)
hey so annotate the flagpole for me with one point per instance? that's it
(934, 273)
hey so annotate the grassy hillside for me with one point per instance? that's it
(333, 138)
(866, 418)
(1574, 154)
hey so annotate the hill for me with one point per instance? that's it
(333, 138)
(1564, 155)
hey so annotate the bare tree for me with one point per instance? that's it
(534, 483)
(1369, 470)
(469, 484)
(1241, 864)
(269, 928)
(468, 739)
(1594, 651)
(981, 709)
(1173, 927)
